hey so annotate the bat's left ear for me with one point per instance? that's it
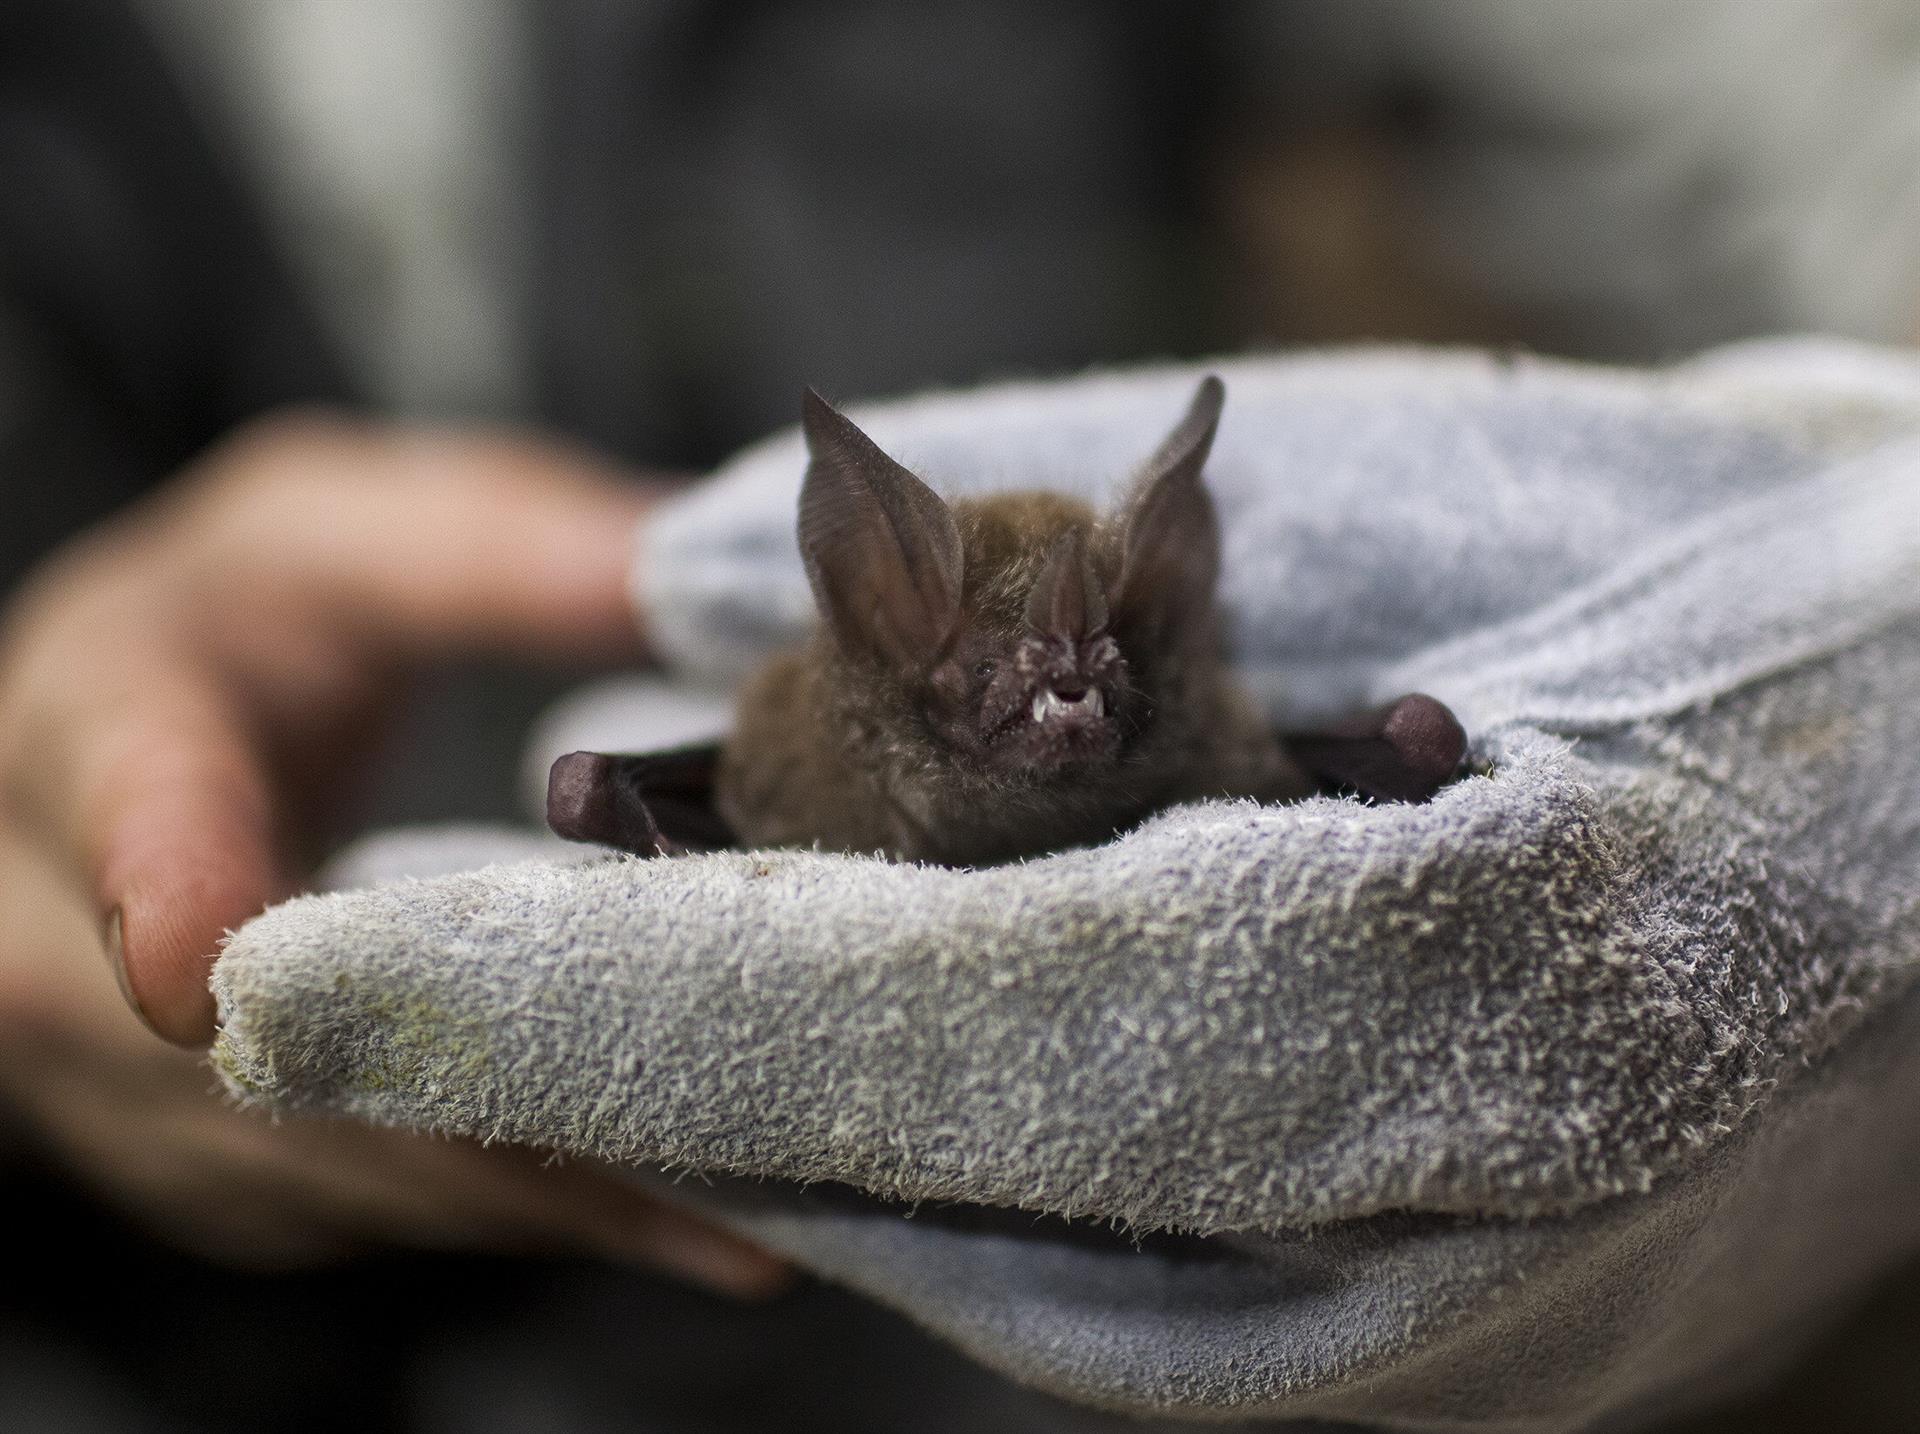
(881, 549)
(1169, 534)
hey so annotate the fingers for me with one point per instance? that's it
(151, 788)
(434, 544)
(138, 1121)
(169, 673)
(599, 1212)
(704, 1254)
(181, 861)
(159, 681)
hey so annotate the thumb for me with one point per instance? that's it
(153, 790)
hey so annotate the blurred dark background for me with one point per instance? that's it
(646, 223)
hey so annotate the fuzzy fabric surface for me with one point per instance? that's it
(1583, 1092)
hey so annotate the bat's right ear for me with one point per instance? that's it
(881, 549)
(1169, 559)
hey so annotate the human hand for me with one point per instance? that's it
(183, 692)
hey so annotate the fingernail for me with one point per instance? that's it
(112, 939)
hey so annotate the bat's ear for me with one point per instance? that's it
(881, 549)
(1169, 535)
(1068, 600)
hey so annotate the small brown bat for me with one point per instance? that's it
(996, 677)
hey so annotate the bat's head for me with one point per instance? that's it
(1016, 636)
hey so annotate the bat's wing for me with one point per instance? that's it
(650, 803)
(1402, 752)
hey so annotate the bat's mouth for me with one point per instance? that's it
(1068, 704)
(1057, 708)
(1070, 725)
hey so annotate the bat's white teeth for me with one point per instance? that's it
(1090, 703)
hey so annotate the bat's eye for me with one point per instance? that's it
(984, 669)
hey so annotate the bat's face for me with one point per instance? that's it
(1055, 703)
(1017, 631)
(1028, 704)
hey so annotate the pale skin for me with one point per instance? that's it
(183, 692)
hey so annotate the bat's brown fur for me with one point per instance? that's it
(838, 748)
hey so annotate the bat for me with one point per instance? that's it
(993, 678)
(1000, 676)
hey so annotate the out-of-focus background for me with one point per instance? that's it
(654, 220)
(646, 223)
